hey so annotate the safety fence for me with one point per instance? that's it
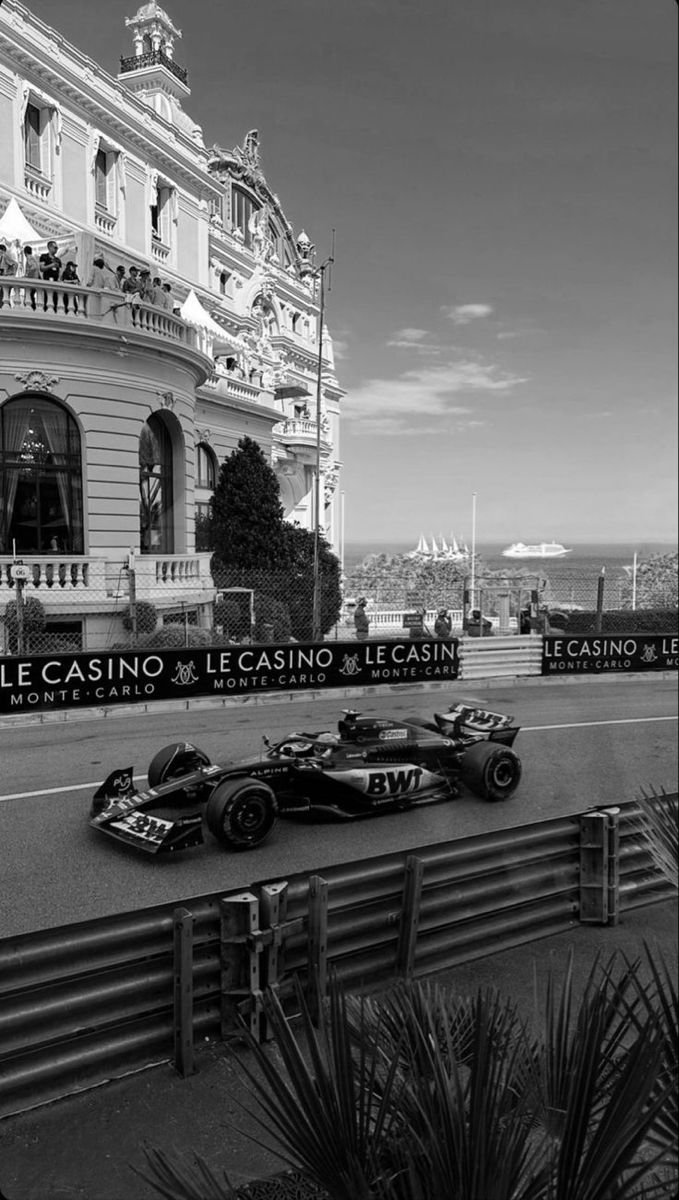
(89, 1002)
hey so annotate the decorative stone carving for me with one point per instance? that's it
(204, 435)
(167, 400)
(38, 381)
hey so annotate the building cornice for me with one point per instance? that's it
(40, 50)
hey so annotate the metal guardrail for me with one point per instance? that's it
(514, 655)
(89, 1002)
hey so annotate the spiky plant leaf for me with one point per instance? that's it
(658, 828)
(178, 1180)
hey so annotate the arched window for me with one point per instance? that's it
(206, 469)
(41, 499)
(156, 508)
(242, 208)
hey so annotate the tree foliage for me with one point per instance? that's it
(657, 582)
(246, 514)
(389, 579)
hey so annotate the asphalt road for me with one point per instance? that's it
(581, 744)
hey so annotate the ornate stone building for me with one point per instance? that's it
(117, 408)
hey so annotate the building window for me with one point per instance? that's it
(206, 468)
(161, 214)
(38, 148)
(41, 504)
(156, 507)
(223, 281)
(103, 181)
(242, 208)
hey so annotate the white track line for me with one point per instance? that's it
(82, 787)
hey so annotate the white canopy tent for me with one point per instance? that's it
(15, 229)
(193, 313)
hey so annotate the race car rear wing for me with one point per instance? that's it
(462, 719)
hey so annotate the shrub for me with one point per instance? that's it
(34, 619)
(147, 617)
(623, 620)
(271, 615)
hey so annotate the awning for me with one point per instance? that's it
(193, 313)
(15, 228)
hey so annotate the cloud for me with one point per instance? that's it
(424, 397)
(340, 348)
(462, 314)
(414, 340)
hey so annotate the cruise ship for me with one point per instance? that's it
(540, 550)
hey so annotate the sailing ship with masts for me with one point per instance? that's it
(439, 550)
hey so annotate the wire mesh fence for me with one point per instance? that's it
(401, 600)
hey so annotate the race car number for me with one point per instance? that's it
(141, 825)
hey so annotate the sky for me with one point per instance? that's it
(501, 176)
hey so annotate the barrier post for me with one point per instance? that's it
(410, 916)
(183, 992)
(318, 945)
(239, 963)
(594, 869)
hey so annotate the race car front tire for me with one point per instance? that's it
(241, 813)
(492, 771)
(174, 761)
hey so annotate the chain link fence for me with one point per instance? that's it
(401, 600)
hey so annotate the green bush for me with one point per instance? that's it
(623, 620)
(271, 615)
(147, 617)
(34, 619)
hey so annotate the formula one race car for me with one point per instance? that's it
(371, 765)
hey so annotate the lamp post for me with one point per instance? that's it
(316, 604)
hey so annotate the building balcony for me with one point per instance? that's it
(42, 306)
(230, 386)
(152, 58)
(105, 222)
(37, 185)
(301, 434)
(75, 582)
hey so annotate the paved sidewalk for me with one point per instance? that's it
(85, 1147)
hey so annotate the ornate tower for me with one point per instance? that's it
(152, 73)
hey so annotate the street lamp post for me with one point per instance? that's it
(316, 604)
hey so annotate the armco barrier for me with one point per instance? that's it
(515, 655)
(93, 1001)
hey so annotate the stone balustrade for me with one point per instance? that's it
(67, 580)
(38, 298)
(62, 580)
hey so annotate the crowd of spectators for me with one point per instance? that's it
(137, 281)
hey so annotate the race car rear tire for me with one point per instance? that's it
(492, 771)
(241, 813)
(174, 761)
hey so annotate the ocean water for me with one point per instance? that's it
(572, 579)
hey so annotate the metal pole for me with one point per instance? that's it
(131, 574)
(473, 579)
(20, 615)
(634, 582)
(342, 499)
(316, 603)
(600, 600)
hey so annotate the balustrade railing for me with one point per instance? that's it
(56, 578)
(74, 302)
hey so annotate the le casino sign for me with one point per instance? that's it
(92, 680)
(595, 654)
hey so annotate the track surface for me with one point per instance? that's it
(581, 744)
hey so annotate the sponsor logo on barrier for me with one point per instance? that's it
(125, 677)
(594, 655)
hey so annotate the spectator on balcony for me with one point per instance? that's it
(70, 275)
(102, 276)
(31, 266)
(169, 302)
(120, 272)
(8, 266)
(146, 288)
(132, 284)
(31, 270)
(50, 263)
